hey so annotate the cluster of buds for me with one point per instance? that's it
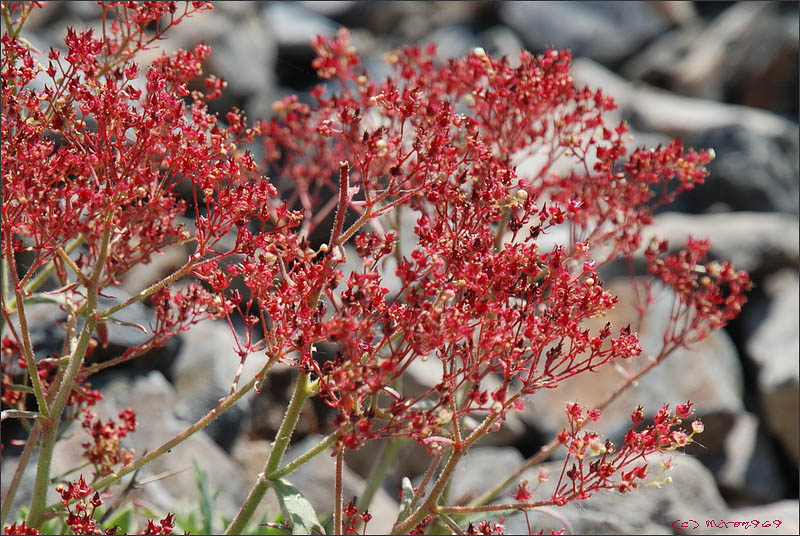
(712, 292)
(75, 497)
(598, 464)
(104, 450)
(80, 507)
(352, 518)
(486, 527)
(21, 529)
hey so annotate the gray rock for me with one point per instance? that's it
(204, 372)
(605, 31)
(750, 172)
(752, 241)
(691, 495)
(246, 58)
(154, 401)
(678, 13)
(329, 8)
(293, 24)
(499, 41)
(481, 469)
(774, 348)
(785, 512)
(701, 71)
(653, 110)
(749, 472)
(402, 22)
(707, 373)
(451, 41)
(84, 9)
(656, 63)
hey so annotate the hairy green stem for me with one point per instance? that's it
(493, 507)
(185, 269)
(50, 435)
(40, 278)
(305, 457)
(279, 446)
(405, 526)
(27, 346)
(199, 425)
(338, 495)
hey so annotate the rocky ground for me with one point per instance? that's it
(721, 75)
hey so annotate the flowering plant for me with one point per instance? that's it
(94, 158)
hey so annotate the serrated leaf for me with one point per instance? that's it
(296, 509)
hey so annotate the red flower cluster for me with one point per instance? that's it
(352, 518)
(485, 527)
(20, 528)
(598, 465)
(713, 293)
(163, 526)
(104, 450)
(80, 514)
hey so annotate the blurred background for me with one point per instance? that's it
(716, 74)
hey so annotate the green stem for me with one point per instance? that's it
(166, 447)
(42, 482)
(493, 507)
(338, 494)
(40, 278)
(416, 517)
(27, 346)
(405, 526)
(308, 455)
(21, 388)
(19, 414)
(301, 391)
(9, 24)
(30, 445)
(185, 269)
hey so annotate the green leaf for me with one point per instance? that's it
(187, 522)
(42, 297)
(206, 498)
(407, 497)
(52, 526)
(296, 509)
(121, 519)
